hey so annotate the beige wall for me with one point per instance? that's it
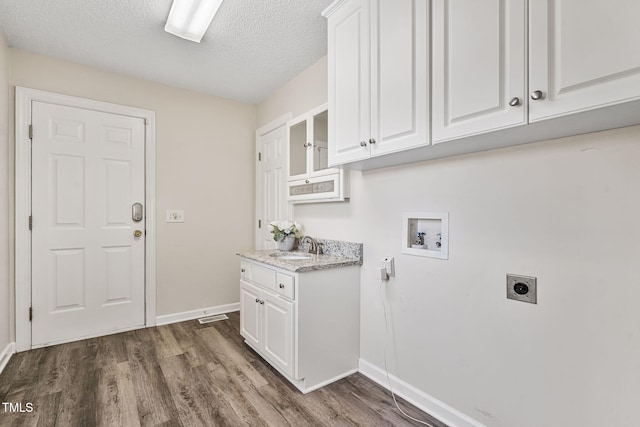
(303, 93)
(5, 307)
(565, 211)
(205, 150)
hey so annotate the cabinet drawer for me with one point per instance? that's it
(245, 270)
(318, 188)
(263, 276)
(285, 285)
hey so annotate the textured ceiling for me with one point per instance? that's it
(251, 48)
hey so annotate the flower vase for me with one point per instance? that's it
(286, 243)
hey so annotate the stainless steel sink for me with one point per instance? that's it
(291, 256)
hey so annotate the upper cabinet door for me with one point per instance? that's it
(479, 67)
(399, 75)
(319, 145)
(349, 84)
(583, 55)
(298, 148)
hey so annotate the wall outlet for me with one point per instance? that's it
(522, 288)
(389, 266)
(175, 216)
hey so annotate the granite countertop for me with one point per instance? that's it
(316, 262)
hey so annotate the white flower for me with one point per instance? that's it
(283, 228)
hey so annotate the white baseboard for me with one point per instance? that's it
(420, 399)
(6, 355)
(194, 314)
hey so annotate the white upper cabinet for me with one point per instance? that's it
(583, 55)
(500, 72)
(307, 145)
(378, 78)
(479, 67)
(310, 179)
(349, 89)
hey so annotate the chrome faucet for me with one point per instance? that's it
(314, 247)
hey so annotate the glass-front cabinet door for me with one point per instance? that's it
(319, 149)
(310, 179)
(298, 148)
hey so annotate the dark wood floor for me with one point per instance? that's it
(184, 374)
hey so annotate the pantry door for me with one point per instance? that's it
(271, 179)
(88, 248)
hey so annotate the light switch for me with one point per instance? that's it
(175, 216)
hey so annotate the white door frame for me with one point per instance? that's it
(24, 99)
(261, 131)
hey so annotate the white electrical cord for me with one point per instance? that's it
(386, 341)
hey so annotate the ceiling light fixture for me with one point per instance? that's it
(189, 19)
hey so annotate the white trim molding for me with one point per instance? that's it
(24, 99)
(194, 314)
(6, 354)
(429, 404)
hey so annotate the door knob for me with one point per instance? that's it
(537, 95)
(514, 102)
(137, 233)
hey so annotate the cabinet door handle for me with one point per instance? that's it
(363, 144)
(306, 181)
(257, 300)
(372, 141)
(281, 286)
(306, 144)
(514, 102)
(262, 302)
(537, 95)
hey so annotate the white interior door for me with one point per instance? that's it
(87, 265)
(272, 184)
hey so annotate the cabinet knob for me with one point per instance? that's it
(537, 95)
(306, 181)
(242, 270)
(372, 141)
(281, 286)
(363, 144)
(514, 101)
(306, 144)
(262, 302)
(257, 300)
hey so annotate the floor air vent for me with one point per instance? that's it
(209, 319)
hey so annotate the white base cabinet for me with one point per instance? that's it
(306, 325)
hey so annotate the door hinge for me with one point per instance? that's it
(259, 157)
(30, 222)
(30, 314)
(30, 131)
(259, 223)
